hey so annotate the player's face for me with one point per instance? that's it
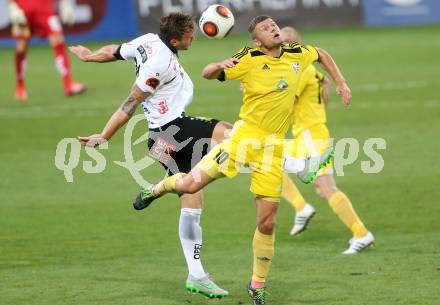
(185, 42)
(267, 34)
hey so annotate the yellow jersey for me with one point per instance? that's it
(270, 84)
(309, 107)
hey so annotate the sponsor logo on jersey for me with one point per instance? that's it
(265, 67)
(143, 53)
(282, 85)
(163, 107)
(153, 82)
(296, 67)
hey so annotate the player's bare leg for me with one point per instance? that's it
(20, 67)
(62, 63)
(263, 247)
(179, 183)
(326, 188)
(221, 131)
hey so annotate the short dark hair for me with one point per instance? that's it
(256, 21)
(175, 25)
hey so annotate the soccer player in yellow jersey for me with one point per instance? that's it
(270, 75)
(311, 138)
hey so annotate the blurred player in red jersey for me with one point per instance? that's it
(29, 17)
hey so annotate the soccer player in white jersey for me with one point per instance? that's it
(164, 90)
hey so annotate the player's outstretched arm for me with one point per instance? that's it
(118, 119)
(213, 70)
(330, 66)
(105, 54)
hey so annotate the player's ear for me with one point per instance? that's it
(173, 42)
(256, 42)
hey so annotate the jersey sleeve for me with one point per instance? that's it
(126, 51)
(149, 78)
(309, 54)
(239, 71)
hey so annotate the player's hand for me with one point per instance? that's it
(67, 14)
(344, 92)
(92, 141)
(16, 13)
(228, 63)
(81, 52)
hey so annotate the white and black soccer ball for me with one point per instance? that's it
(216, 21)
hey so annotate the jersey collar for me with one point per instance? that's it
(168, 44)
(258, 52)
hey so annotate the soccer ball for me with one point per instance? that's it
(216, 21)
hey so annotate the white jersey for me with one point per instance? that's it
(159, 72)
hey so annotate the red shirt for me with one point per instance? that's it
(37, 5)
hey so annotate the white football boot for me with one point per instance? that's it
(357, 244)
(302, 219)
(205, 286)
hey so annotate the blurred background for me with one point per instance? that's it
(114, 19)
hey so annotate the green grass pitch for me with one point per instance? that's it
(82, 243)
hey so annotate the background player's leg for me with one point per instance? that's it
(62, 63)
(303, 211)
(20, 67)
(341, 205)
(291, 193)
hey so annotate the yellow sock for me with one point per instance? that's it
(291, 193)
(263, 247)
(342, 206)
(167, 185)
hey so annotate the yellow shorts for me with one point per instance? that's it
(312, 142)
(249, 150)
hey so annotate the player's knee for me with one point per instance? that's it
(319, 191)
(324, 188)
(221, 132)
(266, 226)
(190, 187)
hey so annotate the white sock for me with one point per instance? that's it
(190, 234)
(293, 165)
